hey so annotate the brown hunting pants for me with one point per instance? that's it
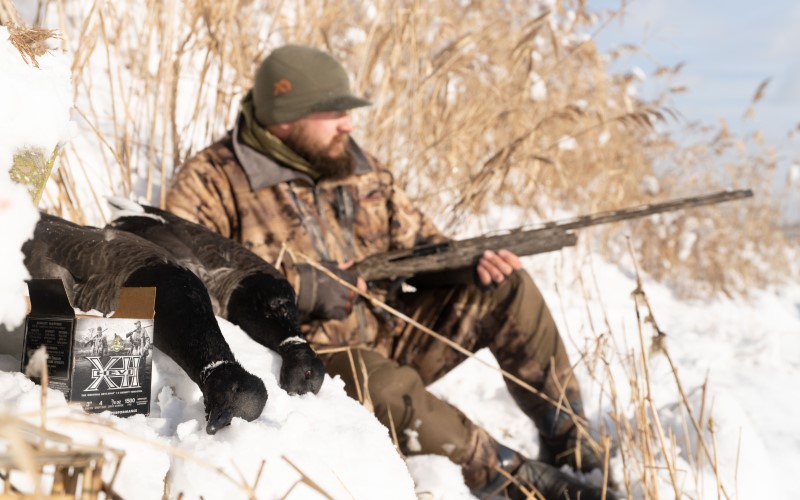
(512, 320)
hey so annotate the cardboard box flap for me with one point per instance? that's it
(136, 303)
(48, 298)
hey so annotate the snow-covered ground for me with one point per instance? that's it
(329, 437)
(748, 350)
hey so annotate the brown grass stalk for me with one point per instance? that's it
(307, 480)
(359, 392)
(639, 292)
(9, 13)
(96, 422)
(527, 489)
(649, 395)
(393, 432)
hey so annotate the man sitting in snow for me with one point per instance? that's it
(290, 174)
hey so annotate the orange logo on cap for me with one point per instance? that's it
(282, 87)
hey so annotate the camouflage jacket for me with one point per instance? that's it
(244, 195)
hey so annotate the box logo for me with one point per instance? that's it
(121, 372)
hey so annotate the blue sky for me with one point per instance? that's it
(729, 48)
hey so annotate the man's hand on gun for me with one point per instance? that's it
(495, 267)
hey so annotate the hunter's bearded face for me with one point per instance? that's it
(322, 139)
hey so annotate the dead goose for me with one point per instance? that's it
(245, 289)
(95, 263)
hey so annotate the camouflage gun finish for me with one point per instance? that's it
(549, 237)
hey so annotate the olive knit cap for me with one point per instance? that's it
(295, 81)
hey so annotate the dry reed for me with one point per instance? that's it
(474, 106)
(30, 42)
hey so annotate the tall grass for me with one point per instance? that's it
(475, 104)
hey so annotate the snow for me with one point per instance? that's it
(538, 87)
(35, 102)
(794, 175)
(743, 354)
(17, 219)
(34, 113)
(638, 74)
(567, 143)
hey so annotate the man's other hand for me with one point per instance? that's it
(495, 267)
(322, 297)
(333, 300)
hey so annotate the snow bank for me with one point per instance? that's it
(329, 438)
(34, 113)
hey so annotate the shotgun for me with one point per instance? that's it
(548, 237)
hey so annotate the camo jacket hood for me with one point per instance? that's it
(283, 216)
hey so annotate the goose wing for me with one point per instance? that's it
(93, 263)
